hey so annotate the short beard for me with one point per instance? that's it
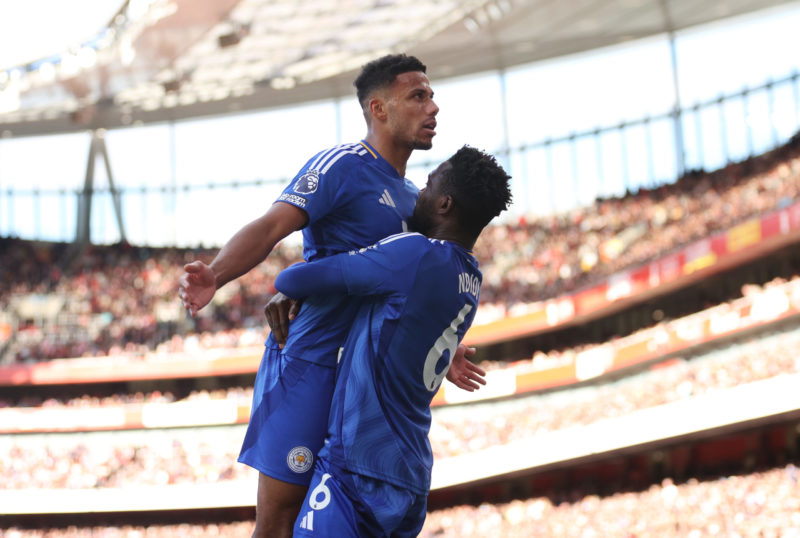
(419, 224)
(418, 144)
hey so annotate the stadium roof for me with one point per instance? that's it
(157, 60)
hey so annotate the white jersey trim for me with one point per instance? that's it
(325, 160)
(395, 237)
(360, 150)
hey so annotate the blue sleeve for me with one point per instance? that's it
(317, 192)
(385, 267)
(376, 270)
(321, 277)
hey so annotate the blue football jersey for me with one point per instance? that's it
(353, 197)
(422, 297)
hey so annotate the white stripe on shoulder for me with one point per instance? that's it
(321, 160)
(322, 155)
(395, 237)
(358, 150)
(326, 154)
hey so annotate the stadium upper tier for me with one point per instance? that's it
(159, 60)
(121, 300)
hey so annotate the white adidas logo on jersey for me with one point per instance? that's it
(386, 199)
(308, 521)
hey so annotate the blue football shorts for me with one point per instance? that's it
(340, 504)
(289, 417)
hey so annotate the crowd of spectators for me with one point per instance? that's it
(758, 504)
(120, 299)
(539, 258)
(455, 429)
(459, 430)
(123, 459)
(780, 360)
(85, 401)
(238, 529)
(755, 505)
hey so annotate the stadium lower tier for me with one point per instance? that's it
(728, 408)
(755, 504)
(765, 503)
(180, 469)
(668, 390)
(215, 387)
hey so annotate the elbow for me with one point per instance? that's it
(283, 285)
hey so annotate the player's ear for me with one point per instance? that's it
(377, 108)
(446, 204)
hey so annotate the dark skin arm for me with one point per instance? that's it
(246, 249)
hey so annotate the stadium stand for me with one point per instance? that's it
(581, 390)
(162, 457)
(541, 258)
(119, 299)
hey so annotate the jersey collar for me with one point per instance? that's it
(383, 163)
(470, 254)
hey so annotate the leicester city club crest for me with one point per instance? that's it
(300, 459)
(307, 183)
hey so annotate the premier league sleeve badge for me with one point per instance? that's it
(307, 183)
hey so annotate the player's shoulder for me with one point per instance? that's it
(398, 245)
(404, 239)
(438, 251)
(340, 157)
(414, 243)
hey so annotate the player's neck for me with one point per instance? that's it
(444, 233)
(394, 155)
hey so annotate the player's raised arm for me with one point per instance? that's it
(246, 249)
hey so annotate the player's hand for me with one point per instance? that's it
(280, 310)
(463, 373)
(196, 286)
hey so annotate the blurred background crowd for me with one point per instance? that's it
(763, 503)
(101, 459)
(122, 299)
(759, 504)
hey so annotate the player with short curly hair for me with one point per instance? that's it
(373, 474)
